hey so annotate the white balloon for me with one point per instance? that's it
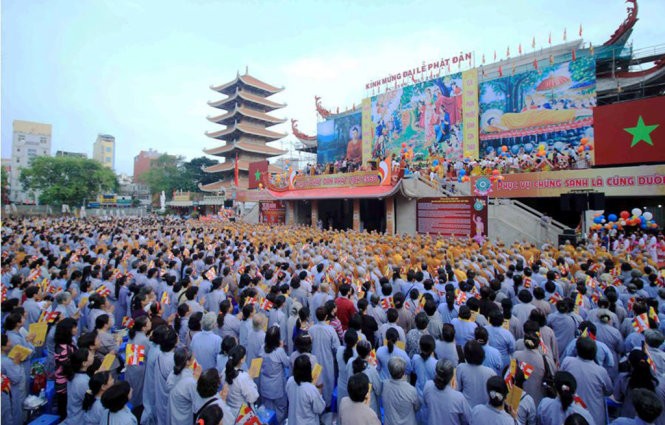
(648, 215)
(623, 222)
(603, 221)
(637, 212)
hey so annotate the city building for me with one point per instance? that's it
(143, 162)
(29, 140)
(70, 154)
(246, 133)
(128, 188)
(103, 150)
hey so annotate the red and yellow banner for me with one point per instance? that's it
(648, 180)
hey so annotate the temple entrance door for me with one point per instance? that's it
(373, 215)
(336, 214)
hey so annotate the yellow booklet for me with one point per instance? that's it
(39, 329)
(316, 373)
(514, 397)
(255, 367)
(107, 363)
(19, 352)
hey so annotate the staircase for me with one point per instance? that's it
(511, 220)
(251, 215)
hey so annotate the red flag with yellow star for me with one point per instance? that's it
(257, 171)
(630, 132)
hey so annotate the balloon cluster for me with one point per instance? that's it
(462, 177)
(584, 145)
(406, 153)
(635, 218)
(496, 176)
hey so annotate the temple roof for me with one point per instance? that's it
(228, 118)
(243, 128)
(266, 104)
(244, 146)
(249, 81)
(242, 165)
(223, 184)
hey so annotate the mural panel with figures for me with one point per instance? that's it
(340, 138)
(418, 122)
(543, 113)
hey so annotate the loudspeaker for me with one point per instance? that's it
(564, 238)
(564, 200)
(578, 202)
(596, 201)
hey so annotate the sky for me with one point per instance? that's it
(141, 70)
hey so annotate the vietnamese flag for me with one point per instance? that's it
(257, 172)
(630, 132)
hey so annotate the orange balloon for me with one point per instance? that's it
(504, 148)
(584, 141)
(580, 149)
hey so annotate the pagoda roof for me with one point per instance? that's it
(227, 118)
(242, 165)
(268, 105)
(224, 184)
(244, 146)
(243, 128)
(247, 80)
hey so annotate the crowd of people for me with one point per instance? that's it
(223, 320)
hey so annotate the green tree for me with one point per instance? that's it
(4, 181)
(169, 173)
(200, 177)
(67, 180)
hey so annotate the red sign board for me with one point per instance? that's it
(453, 216)
(630, 132)
(272, 212)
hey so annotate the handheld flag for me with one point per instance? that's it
(641, 323)
(266, 304)
(135, 354)
(555, 298)
(165, 299)
(247, 416)
(460, 299)
(211, 274)
(527, 282)
(6, 384)
(127, 322)
(650, 361)
(103, 291)
(653, 315)
(526, 369)
(387, 303)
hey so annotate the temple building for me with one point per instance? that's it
(247, 119)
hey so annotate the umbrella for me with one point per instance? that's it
(552, 82)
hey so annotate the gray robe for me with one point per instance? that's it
(446, 406)
(593, 384)
(400, 402)
(324, 347)
(305, 403)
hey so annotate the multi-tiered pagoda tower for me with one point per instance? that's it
(246, 133)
